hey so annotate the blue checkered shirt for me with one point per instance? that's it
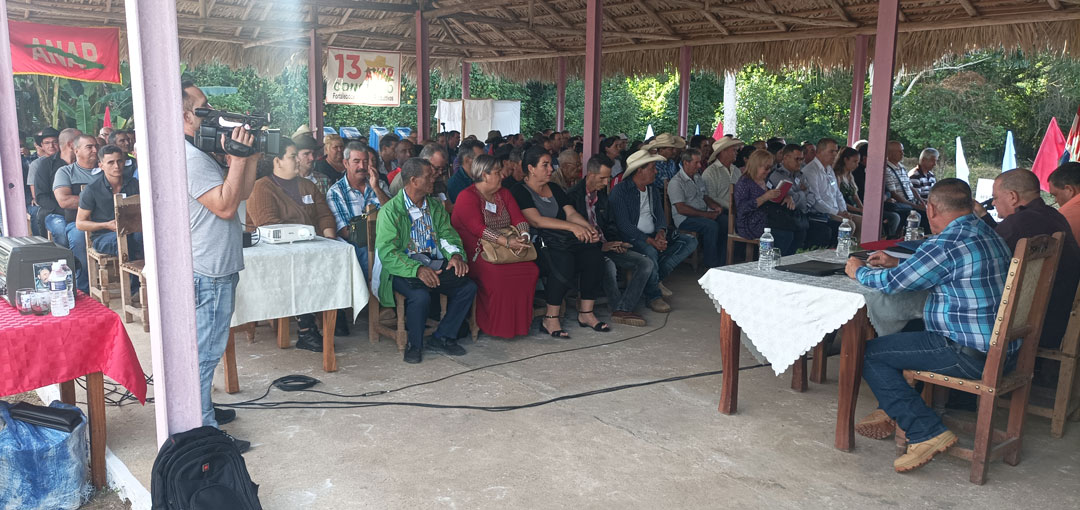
(964, 267)
(665, 170)
(347, 202)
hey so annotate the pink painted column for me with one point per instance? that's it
(316, 91)
(154, 54)
(880, 109)
(560, 96)
(466, 70)
(423, 79)
(593, 77)
(858, 88)
(685, 57)
(13, 198)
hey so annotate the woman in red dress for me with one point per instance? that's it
(504, 298)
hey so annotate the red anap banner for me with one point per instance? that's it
(87, 54)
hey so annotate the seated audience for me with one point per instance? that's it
(1064, 184)
(1023, 214)
(570, 251)
(470, 150)
(386, 156)
(846, 163)
(590, 199)
(511, 165)
(964, 267)
(752, 200)
(353, 196)
(902, 199)
(97, 208)
(922, 176)
(827, 207)
(610, 147)
(639, 214)
(721, 174)
(67, 184)
(569, 172)
(333, 166)
(285, 197)
(419, 253)
(306, 148)
(694, 210)
(485, 210)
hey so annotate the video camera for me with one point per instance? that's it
(216, 123)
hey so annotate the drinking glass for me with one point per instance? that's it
(775, 260)
(24, 301)
(39, 302)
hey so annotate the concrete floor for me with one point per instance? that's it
(661, 446)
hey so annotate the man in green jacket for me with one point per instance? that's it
(418, 254)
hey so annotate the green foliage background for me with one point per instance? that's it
(979, 97)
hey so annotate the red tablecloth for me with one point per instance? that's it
(37, 351)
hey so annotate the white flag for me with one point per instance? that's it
(1009, 161)
(961, 162)
(648, 132)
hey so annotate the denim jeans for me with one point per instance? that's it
(788, 241)
(66, 235)
(643, 269)
(678, 249)
(362, 256)
(713, 236)
(35, 226)
(214, 302)
(418, 301)
(883, 369)
(106, 243)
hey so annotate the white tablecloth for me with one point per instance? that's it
(784, 315)
(283, 280)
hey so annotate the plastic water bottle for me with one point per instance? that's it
(765, 245)
(843, 240)
(911, 231)
(58, 292)
(70, 283)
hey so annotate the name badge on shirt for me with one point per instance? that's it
(491, 208)
(415, 213)
(307, 199)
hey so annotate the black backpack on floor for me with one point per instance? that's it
(201, 469)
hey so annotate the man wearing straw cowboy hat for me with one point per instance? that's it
(669, 147)
(639, 215)
(722, 173)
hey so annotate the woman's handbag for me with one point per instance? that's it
(780, 217)
(496, 253)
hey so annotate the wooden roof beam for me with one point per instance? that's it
(769, 9)
(716, 23)
(551, 10)
(247, 11)
(573, 32)
(1054, 4)
(758, 15)
(967, 5)
(643, 7)
(532, 33)
(364, 5)
(839, 9)
(461, 26)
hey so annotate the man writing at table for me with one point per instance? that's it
(419, 252)
(964, 268)
(217, 253)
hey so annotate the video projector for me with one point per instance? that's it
(287, 233)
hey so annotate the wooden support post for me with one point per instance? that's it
(466, 70)
(685, 58)
(316, 92)
(858, 89)
(593, 76)
(880, 109)
(423, 79)
(560, 100)
(14, 205)
(95, 406)
(730, 340)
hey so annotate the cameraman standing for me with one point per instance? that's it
(214, 194)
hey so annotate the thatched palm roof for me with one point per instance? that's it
(522, 39)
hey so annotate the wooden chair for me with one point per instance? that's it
(129, 221)
(733, 238)
(1020, 315)
(395, 328)
(695, 257)
(98, 268)
(1066, 401)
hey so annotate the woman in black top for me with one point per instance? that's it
(571, 246)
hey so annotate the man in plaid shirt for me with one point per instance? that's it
(964, 268)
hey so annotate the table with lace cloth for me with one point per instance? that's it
(784, 315)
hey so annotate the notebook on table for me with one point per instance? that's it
(814, 268)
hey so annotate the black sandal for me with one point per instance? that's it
(599, 326)
(559, 333)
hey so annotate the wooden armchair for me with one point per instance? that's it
(733, 238)
(129, 221)
(395, 327)
(98, 268)
(1020, 315)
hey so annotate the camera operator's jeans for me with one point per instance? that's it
(215, 299)
(65, 234)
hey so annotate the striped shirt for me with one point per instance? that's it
(921, 183)
(347, 202)
(964, 268)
